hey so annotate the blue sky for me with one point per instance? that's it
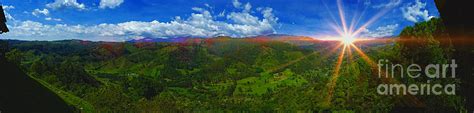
(118, 20)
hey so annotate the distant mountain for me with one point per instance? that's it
(280, 37)
(293, 39)
(148, 39)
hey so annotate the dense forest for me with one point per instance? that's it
(223, 73)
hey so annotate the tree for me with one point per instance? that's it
(38, 67)
(110, 99)
(15, 56)
(422, 42)
(72, 73)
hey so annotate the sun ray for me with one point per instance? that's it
(303, 57)
(341, 15)
(347, 39)
(330, 52)
(354, 21)
(336, 28)
(349, 54)
(290, 63)
(363, 55)
(335, 76)
(371, 20)
(330, 13)
(410, 98)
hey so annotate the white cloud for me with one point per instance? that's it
(222, 14)
(45, 13)
(247, 7)
(201, 24)
(38, 12)
(416, 11)
(6, 10)
(391, 3)
(8, 16)
(382, 31)
(7, 7)
(66, 3)
(268, 15)
(52, 19)
(110, 3)
(236, 3)
(243, 18)
(198, 9)
(208, 6)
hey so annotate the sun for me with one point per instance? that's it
(347, 40)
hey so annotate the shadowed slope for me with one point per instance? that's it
(459, 21)
(21, 94)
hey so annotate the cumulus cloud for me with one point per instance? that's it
(268, 15)
(45, 13)
(38, 12)
(391, 3)
(110, 3)
(416, 11)
(246, 8)
(200, 24)
(66, 4)
(243, 18)
(382, 31)
(26, 29)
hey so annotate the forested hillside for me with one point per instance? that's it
(219, 74)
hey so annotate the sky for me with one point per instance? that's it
(121, 20)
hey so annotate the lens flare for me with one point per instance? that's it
(347, 40)
(348, 37)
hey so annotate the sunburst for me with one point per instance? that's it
(348, 36)
(347, 39)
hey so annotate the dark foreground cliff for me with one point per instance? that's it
(459, 21)
(21, 94)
